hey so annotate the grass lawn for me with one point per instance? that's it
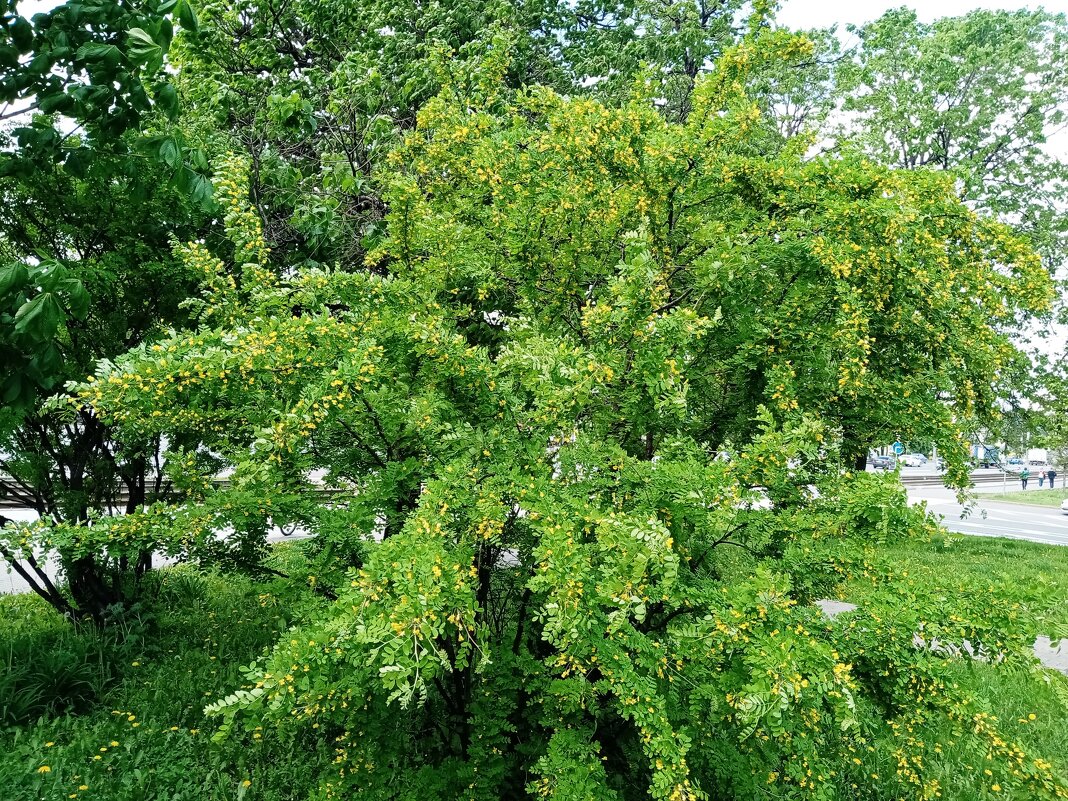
(1041, 497)
(978, 561)
(1031, 712)
(119, 716)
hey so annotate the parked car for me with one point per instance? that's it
(1064, 507)
(914, 460)
(883, 462)
(1015, 460)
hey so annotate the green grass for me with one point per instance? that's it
(1028, 709)
(133, 728)
(978, 561)
(121, 713)
(1040, 497)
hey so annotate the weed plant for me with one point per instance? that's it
(1030, 708)
(120, 716)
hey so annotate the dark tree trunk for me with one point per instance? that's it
(405, 503)
(854, 451)
(36, 578)
(92, 594)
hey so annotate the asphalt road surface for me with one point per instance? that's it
(996, 519)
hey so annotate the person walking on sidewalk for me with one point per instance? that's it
(1024, 475)
(1052, 474)
(1041, 478)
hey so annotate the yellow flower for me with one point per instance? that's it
(246, 783)
(83, 787)
(44, 769)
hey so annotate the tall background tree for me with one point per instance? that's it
(977, 96)
(94, 183)
(317, 92)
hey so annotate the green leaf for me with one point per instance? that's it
(166, 33)
(12, 276)
(45, 366)
(9, 57)
(40, 64)
(78, 162)
(77, 297)
(141, 47)
(55, 102)
(96, 51)
(22, 34)
(187, 16)
(167, 99)
(170, 153)
(195, 186)
(12, 389)
(202, 191)
(39, 318)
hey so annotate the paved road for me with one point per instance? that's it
(996, 519)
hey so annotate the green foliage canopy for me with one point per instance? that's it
(568, 424)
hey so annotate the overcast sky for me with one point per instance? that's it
(825, 13)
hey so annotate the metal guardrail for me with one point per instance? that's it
(978, 478)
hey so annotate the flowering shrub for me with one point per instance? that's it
(580, 422)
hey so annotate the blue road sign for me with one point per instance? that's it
(899, 448)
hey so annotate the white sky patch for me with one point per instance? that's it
(804, 14)
(27, 8)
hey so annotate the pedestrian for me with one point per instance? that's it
(1041, 478)
(1024, 475)
(1052, 474)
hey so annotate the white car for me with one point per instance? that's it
(1064, 507)
(914, 460)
